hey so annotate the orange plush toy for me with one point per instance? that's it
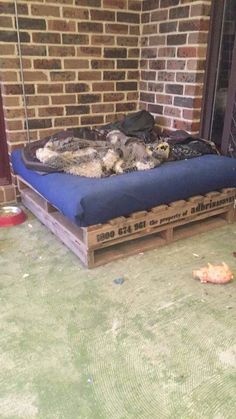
(218, 274)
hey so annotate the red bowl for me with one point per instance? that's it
(11, 216)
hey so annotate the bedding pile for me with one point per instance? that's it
(125, 146)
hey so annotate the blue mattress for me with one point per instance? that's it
(88, 201)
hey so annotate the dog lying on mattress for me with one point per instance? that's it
(117, 154)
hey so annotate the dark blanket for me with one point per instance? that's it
(139, 125)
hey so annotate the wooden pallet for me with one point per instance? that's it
(144, 230)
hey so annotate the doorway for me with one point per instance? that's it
(5, 176)
(218, 113)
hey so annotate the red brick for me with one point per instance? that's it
(9, 63)
(50, 88)
(105, 64)
(187, 52)
(116, 28)
(176, 64)
(128, 17)
(6, 22)
(166, 76)
(115, 4)
(179, 12)
(37, 100)
(89, 51)
(47, 38)
(125, 107)
(195, 90)
(126, 85)
(62, 51)
(134, 5)
(51, 111)
(75, 13)
(34, 50)
(88, 3)
(77, 110)
(150, 29)
(147, 97)
(104, 15)
(89, 98)
(103, 87)
(62, 75)
(127, 41)
(7, 50)
(47, 63)
(75, 39)
(113, 97)
(164, 99)
(103, 108)
(90, 27)
(66, 122)
(194, 25)
(77, 87)
(75, 63)
(171, 111)
(200, 10)
(9, 8)
(133, 75)
(62, 25)
(114, 75)
(14, 125)
(30, 23)
(92, 120)
(159, 15)
(115, 52)
(102, 40)
(40, 123)
(186, 126)
(63, 99)
(43, 10)
(89, 75)
(191, 114)
(167, 52)
(35, 76)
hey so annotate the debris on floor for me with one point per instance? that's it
(119, 281)
(216, 274)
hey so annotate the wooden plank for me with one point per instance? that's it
(141, 231)
(102, 256)
(178, 204)
(160, 208)
(201, 226)
(196, 198)
(138, 214)
(117, 221)
(152, 220)
(57, 223)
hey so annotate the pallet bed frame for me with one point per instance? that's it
(144, 230)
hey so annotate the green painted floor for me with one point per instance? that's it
(73, 344)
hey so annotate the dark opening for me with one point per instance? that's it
(5, 176)
(219, 71)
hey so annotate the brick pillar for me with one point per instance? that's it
(173, 56)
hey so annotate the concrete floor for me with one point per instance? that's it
(76, 345)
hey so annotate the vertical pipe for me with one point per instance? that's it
(22, 73)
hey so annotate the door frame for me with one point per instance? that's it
(231, 99)
(212, 66)
(5, 175)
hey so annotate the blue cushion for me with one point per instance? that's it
(88, 201)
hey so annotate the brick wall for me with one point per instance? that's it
(173, 51)
(82, 64)
(80, 60)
